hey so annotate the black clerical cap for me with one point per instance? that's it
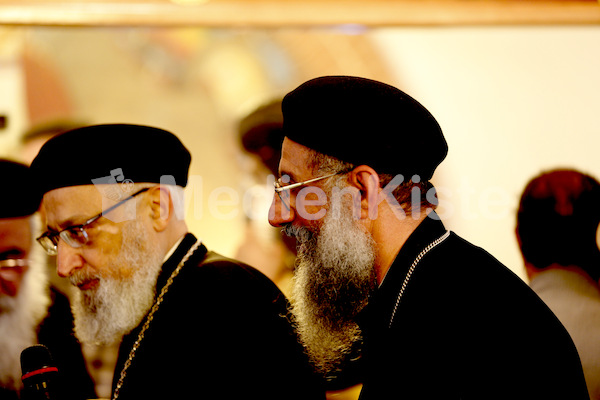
(20, 196)
(111, 153)
(362, 121)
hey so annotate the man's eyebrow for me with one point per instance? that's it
(290, 174)
(72, 221)
(51, 229)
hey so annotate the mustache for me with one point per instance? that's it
(301, 233)
(82, 276)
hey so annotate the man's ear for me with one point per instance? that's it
(161, 207)
(366, 180)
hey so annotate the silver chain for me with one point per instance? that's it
(150, 317)
(412, 269)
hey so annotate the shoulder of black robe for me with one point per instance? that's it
(222, 332)
(56, 333)
(8, 394)
(466, 328)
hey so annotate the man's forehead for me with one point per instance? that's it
(72, 201)
(72, 192)
(294, 158)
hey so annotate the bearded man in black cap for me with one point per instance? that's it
(31, 310)
(194, 324)
(380, 279)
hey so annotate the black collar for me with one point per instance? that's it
(428, 230)
(169, 266)
(381, 305)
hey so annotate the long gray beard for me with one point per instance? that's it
(117, 306)
(20, 317)
(333, 281)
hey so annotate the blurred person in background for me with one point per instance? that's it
(191, 323)
(379, 281)
(31, 311)
(557, 227)
(261, 135)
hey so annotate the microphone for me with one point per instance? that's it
(39, 374)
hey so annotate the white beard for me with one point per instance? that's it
(117, 306)
(334, 278)
(20, 317)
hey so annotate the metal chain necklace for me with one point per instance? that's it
(150, 317)
(412, 269)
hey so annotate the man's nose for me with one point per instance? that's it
(280, 212)
(68, 259)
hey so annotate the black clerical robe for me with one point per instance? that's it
(465, 328)
(220, 333)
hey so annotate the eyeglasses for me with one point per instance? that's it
(11, 264)
(280, 188)
(76, 235)
(11, 268)
(14, 263)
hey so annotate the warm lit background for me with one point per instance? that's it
(515, 86)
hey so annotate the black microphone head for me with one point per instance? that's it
(40, 375)
(36, 359)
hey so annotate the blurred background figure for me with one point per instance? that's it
(31, 311)
(261, 135)
(557, 226)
